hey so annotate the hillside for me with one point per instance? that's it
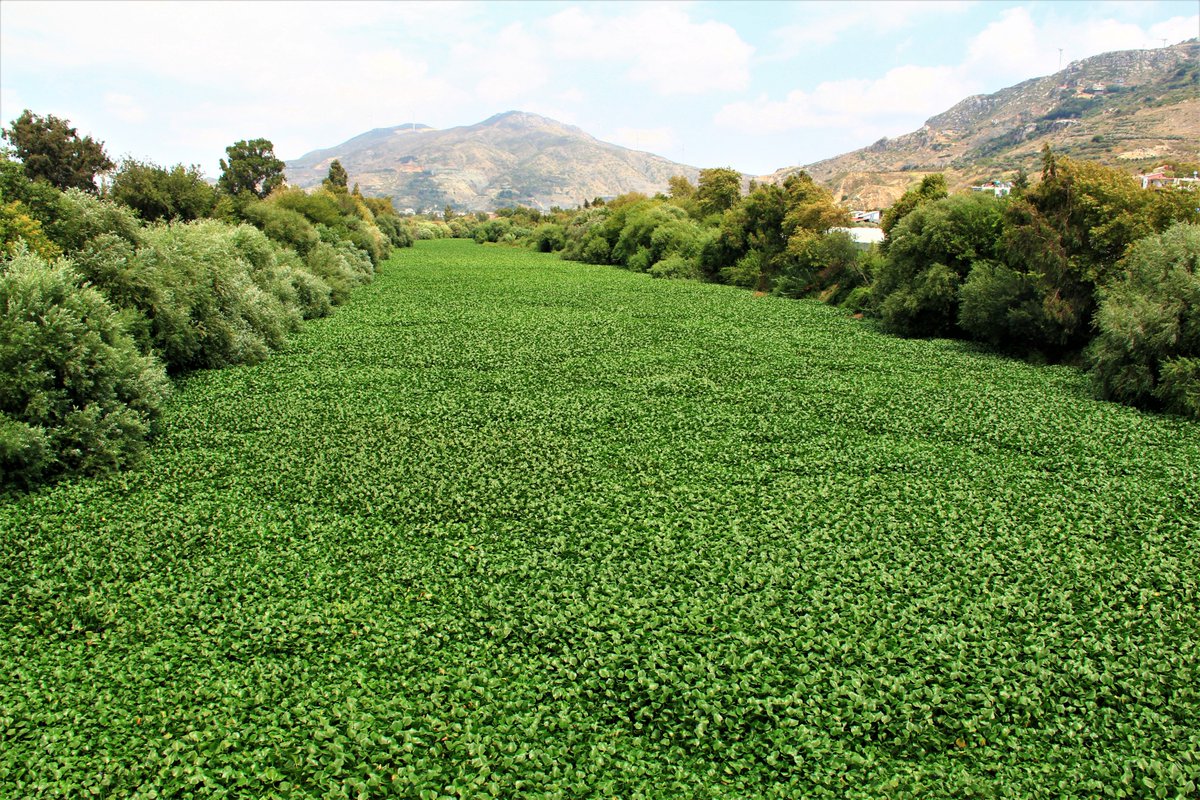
(1132, 108)
(513, 158)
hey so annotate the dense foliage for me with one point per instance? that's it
(1022, 274)
(163, 267)
(567, 532)
(1147, 348)
(52, 151)
(75, 392)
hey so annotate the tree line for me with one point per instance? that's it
(108, 292)
(1084, 267)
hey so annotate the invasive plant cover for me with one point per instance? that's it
(518, 527)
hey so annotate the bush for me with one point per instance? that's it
(338, 271)
(82, 216)
(212, 312)
(924, 306)
(1148, 325)
(930, 252)
(283, 225)
(547, 237)
(395, 230)
(159, 194)
(18, 226)
(75, 393)
(1001, 306)
(677, 267)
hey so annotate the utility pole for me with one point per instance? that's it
(1060, 58)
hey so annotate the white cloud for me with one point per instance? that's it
(124, 107)
(1015, 47)
(661, 45)
(513, 66)
(896, 98)
(651, 139)
(827, 23)
(1011, 49)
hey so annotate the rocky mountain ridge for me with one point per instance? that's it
(514, 158)
(1130, 108)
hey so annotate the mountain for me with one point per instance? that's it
(1131, 108)
(513, 158)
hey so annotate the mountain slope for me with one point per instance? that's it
(509, 159)
(1131, 108)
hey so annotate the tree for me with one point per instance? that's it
(931, 187)
(338, 180)
(718, 190)
(1147, 345)
(159, 194)
(252, 168)
(52, 151)
(932, 250)
(681, 188)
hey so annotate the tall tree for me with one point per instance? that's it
(338, 180)
(52, 151)
(252, 168)
(718, 190)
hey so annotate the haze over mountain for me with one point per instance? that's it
(514, 158)
(1130, 108)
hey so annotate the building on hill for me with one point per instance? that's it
(863, 238)
(1160, 180)
(998, 188)
(873, 217)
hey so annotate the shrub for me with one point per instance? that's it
(677, 267)
(283, 225)
(339, 268)
(930, 251)
(75, 393)
(159, 194)
(547, 237)
(82, 216)
(17, 226)
(212, 312)
(395, 230)
(923, 306)
(1001, 306)
(1148, 325)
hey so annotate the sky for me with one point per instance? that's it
(756, 86)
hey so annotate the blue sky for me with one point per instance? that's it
(752, 85)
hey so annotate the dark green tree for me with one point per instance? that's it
(157, 194)
(931, 187)
(338, 180)
(252, 168)
(52, 151)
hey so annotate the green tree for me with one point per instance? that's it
(337, 180)
(1147, 345)
(681, 188)
(1067, 234)
(932, 250)
(252, 168)
(718, 190)
(52, 151)
(931, 187)
(159, 194)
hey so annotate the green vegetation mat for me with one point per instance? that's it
(511, 526)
